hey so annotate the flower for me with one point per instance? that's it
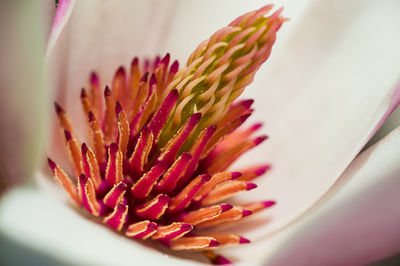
(164, 138)
(318, 152)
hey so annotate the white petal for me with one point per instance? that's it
(359, 224)
(195, 21)
(356, 223)
(34, 220)
(322, 98)
(23, 93)
(99, 36)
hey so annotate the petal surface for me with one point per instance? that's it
(23, 92)
(70, 238)
(322, 97)
(357, 223)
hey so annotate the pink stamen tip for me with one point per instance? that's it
(68, 135)
(135, 61)
(174, 67)
(212, 129)
(256, 126)
(152, 226)
(251, 186)
(107, 91)
(186, 156)
(83, 93)
(221, 260)
(236, 175)
(260, 139)
(94, 79)
(205, 178)
(262, 170)
(52, 164)
(84, 149)
(163, 199)
(91, 116)
(58, 108)
(82, 179)
(246, 213)
(145, 77)
(243, 240)
(118, 108)
(186, 227)
(213, 243)
(196, 117)
(225, 207)
(248, 103)
(113, 147)
(245, 117)
(269, 203)
(121, 71)
(153, 80)
(166, 59)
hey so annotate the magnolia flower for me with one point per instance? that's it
(318, 113)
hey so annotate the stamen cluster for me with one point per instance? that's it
(162, 139)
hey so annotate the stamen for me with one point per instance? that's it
(65, 182)
(142, 230)
(123, 129)
(89, 166)
(87, 195)
(214, 181)
(73, 152)
(115, 195)
(253, 172)
(142, 188)
(171, 149)
(173, 174)
(114, 169)
(184, 198)
(140, 155)
(172, 231)
(191, 243)
(205, 214)
(226, 190)
(153, 209)
(232, 215)
(97, 139)
(117, 218)
(110, 119)
(258, 206)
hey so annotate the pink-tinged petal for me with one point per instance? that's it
(61, 16)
